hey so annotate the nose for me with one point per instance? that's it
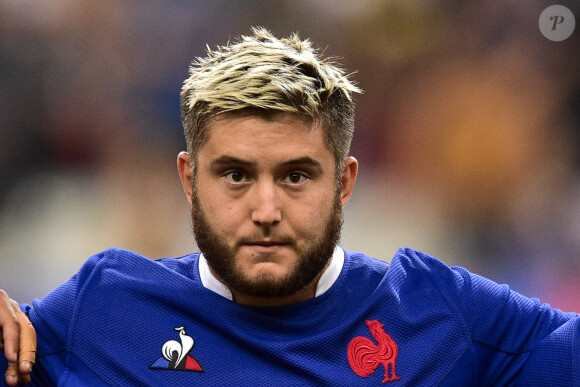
(266, 209)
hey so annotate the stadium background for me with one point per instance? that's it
(467, 133)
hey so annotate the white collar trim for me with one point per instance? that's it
(327, 279)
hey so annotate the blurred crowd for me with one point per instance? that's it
(468, 132)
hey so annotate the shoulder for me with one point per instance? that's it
(362, 263)
(114, 256)
(410, 266)
(485, 306)
(121, 263)
(419, 280)
(411, 275)
(410, 260)
(406, 265)
(422, 276)
(416, 273)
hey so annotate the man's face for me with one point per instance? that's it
(266, 208)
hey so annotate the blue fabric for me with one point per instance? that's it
(109, 323)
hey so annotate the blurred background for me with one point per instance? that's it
(468, 133)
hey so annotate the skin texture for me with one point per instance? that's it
(267, 192)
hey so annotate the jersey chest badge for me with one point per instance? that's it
(175, 354)
(364, 356)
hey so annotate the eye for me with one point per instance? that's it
(236, 177)
(295, 178)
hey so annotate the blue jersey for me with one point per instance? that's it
(125, 320)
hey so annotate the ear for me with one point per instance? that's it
(185, 173)
(348, 179)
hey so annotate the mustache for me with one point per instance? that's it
(258, 238)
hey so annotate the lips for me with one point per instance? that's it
(265, 243)
(265, 246)
(269, 245)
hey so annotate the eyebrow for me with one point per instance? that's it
(229, 160)
(303, 161)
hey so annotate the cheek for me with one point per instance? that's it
(221, 213)
(312, 214)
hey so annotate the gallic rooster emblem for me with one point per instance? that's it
(364, 356)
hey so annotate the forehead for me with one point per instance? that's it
(259, 135)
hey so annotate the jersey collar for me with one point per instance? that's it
(327, 278)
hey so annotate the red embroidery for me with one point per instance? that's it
(364, 356)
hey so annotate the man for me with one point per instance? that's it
(272, 298)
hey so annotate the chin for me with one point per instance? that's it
(267, 271)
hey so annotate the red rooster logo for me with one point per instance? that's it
(364, 356)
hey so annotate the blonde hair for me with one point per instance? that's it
(266, 75)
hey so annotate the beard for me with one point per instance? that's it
(222, 260)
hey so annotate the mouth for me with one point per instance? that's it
(265, 246)
(266, 243)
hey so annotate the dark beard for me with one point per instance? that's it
(310, 263)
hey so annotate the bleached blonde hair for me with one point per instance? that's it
(263, 75)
